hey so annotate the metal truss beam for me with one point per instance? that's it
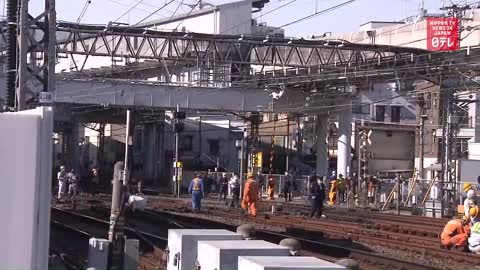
(239, 51)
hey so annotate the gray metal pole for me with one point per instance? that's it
(242, 159)
(288, 145)
(446, 167)
(398, 195)
(116, 198)
(117, 220)
(115, 233)
(127, 137)
(299, 146)
(359, 161)
(23, 56)
(177, 183)
(52, 38)
(422, 146)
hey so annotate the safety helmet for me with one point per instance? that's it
(62, 167)
(471, 194)
(224, 174)
(467, 186)
(250, 175)
(473, 211)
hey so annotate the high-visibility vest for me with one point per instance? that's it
(196, 184)
(333, 186)
(476, 228)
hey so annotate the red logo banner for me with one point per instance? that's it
(442, 34)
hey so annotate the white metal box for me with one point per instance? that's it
(98, 253)
(223, 255)
(26, 176)
(130, 260)
(285, 263)
(184, 242)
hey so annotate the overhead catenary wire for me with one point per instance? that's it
(316, 13)
(129, 10)
(139, 8)
(84, 10)
(129, 27)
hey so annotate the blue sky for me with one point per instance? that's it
(345, 19)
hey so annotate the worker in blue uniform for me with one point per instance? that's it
(196, 190)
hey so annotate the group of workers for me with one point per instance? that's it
(253, 191)
(71, 184)
(463, 234)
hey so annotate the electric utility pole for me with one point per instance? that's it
(178, 128)
(40, 70)
(450, 130)
(116, 236)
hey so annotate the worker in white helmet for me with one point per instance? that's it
(471, 199)
(62, 182)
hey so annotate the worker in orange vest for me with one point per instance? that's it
(250, 195)
(196, 190)
(271, 187)
(332, 195)
(455, 234)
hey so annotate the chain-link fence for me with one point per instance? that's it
(421, 193)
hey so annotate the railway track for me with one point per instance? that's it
(418, 238)
(331, 250)
(86, 227)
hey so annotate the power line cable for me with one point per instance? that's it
(316, 13)
(84, 10)
(129, 10)
(138, 8)
(126, 28)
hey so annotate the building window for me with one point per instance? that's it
(361, 109)
(428, 100)
(214, 147)
(395, 114)
(462, 148)
(380, 113)
(186, 143)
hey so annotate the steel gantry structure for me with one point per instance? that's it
(265, 53)
(246, 65)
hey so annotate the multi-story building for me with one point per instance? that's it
(412, 32)
(208, 140)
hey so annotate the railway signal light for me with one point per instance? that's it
(179, 115)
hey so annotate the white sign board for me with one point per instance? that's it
(469, 170)
(46, 97)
